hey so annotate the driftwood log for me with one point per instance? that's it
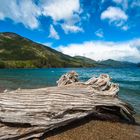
(29, 113)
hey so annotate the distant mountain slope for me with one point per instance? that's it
(87, 60)
(19, 52)
(114, 63)
(106, 63)
(138, 64)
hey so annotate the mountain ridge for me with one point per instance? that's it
(20, 52)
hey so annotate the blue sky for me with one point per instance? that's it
(98, 29)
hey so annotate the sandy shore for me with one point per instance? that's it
(99, 130)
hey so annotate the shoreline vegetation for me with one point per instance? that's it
(35, 113)
(19, 52)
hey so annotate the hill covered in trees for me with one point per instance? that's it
(19, 52)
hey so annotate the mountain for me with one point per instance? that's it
(19, 52)
(88, 60)
(138, 64)
(114, 63)
(106, 63)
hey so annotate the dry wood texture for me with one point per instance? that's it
(28, 113)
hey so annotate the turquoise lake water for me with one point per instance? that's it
(127, 78)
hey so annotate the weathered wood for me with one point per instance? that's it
(68, 78)
(100, 86)
(27, 113)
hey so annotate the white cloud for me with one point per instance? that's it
(122, 3)
(125, 27)
(115, 16)
(1, 16)
(135, 3)
(99, 33)
(118, 1)
(23, 11)
(71, 28)
(99, 50)
(102, 1)
(66, 11)
(53, 33)
(27, 12)
(60, 9)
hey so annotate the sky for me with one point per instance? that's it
(97, 29)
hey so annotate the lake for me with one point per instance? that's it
(127, 78)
